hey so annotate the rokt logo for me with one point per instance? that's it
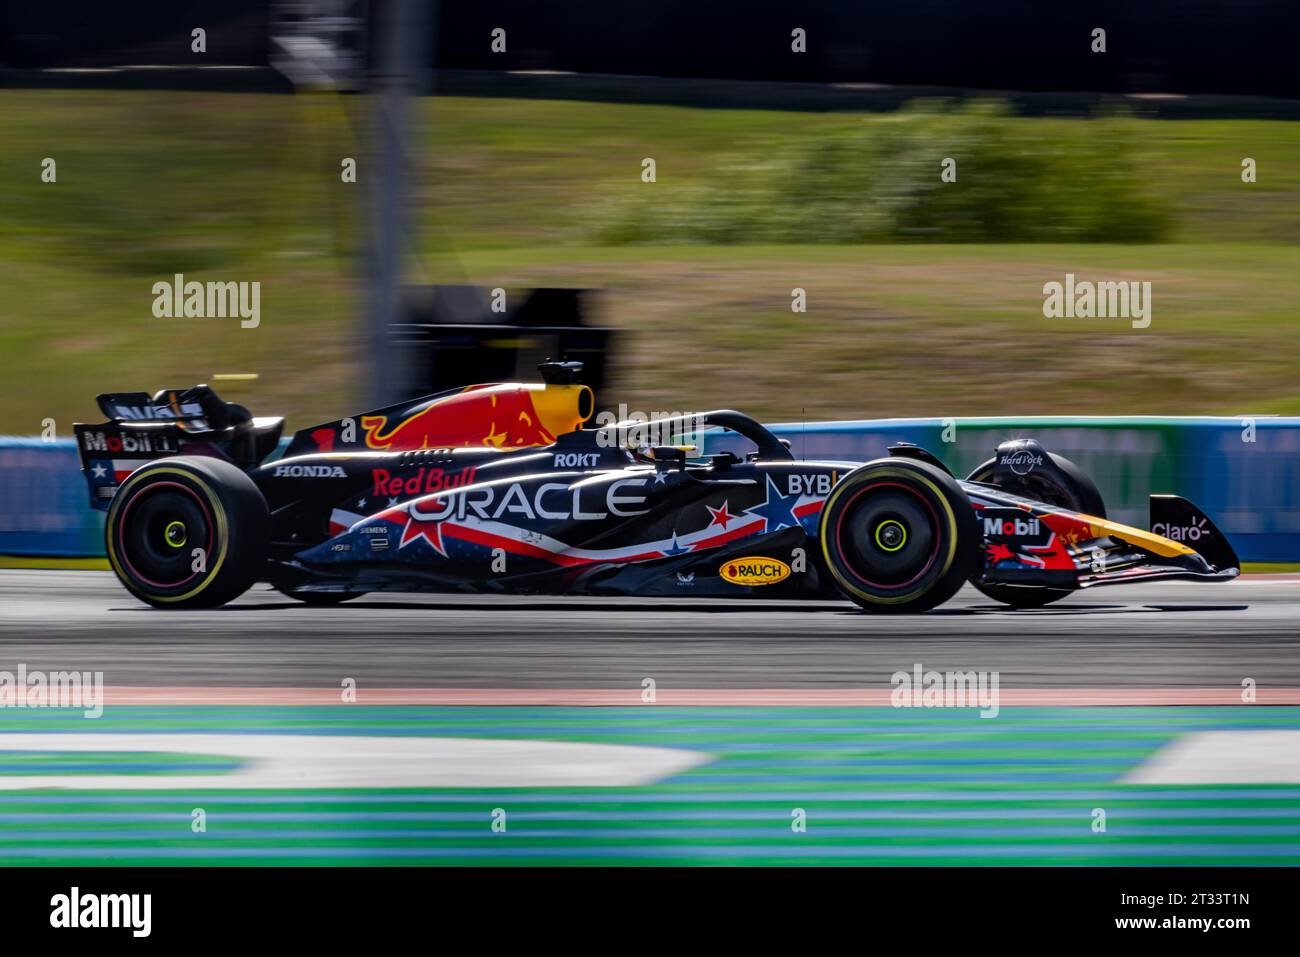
(581, 460)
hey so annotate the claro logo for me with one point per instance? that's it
(755, 571)
(1182, 533)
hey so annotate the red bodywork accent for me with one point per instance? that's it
(502, 418)
(324, 439)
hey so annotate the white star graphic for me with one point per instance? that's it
(99, 471)
(361, 503)
(660, 477)
(392, 501)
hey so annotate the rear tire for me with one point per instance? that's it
(187, 532)
(899, 535)
(1079, 494)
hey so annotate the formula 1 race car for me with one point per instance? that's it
(501, 488)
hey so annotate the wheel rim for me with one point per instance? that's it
(175, 534)
(157, 532)
(889, 535)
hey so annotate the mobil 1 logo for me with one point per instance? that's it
(1014, 523)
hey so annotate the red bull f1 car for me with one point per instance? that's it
(504, 488)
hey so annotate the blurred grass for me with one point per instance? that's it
(939, 330)
(520, 192)
(880, 182)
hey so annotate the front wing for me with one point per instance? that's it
(1030, 544)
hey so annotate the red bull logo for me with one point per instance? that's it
(508, 416)
(423, 481)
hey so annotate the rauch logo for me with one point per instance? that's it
(755, 571)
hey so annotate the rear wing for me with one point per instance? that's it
(113, 450)
(198, 407)
(141, 428)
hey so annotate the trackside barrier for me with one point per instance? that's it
(44, 508)
(1243, 472)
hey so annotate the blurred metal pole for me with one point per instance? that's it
(402, 48)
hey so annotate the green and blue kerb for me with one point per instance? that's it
(876, 786)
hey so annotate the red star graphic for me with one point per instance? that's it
(720, 515)
(999, 552)
(430, 531)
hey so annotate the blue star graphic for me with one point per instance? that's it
(777, 511)
(675, 547)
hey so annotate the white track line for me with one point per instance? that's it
(1224, 757)
(329, 761)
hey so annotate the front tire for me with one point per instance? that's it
(187, 532)
(899, 535)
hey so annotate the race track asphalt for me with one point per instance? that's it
(1171, 635)
(879, 785)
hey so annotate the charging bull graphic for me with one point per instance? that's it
(509, 416)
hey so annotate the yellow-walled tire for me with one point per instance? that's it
(187, 532)
(899, 535)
